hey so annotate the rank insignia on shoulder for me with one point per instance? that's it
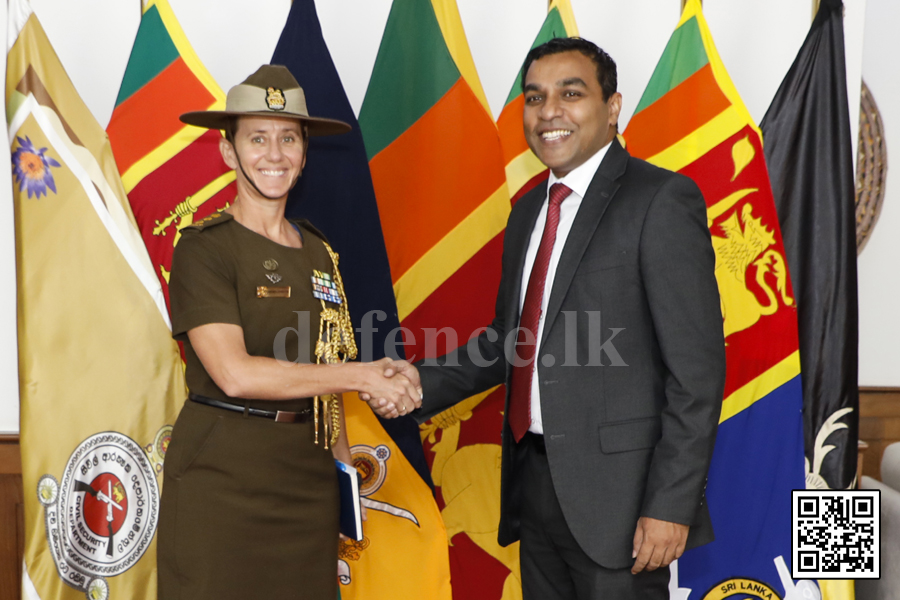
(274, 99)
(324, 288)
(207, 220)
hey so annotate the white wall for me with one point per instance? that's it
(757, 40)
(879, 272)
(9, 364)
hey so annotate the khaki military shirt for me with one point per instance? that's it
(223, 272)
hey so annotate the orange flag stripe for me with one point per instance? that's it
(653, 129)
(510, 126)
(441, 183)
(157, 121)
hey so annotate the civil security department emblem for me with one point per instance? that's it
(102, 515)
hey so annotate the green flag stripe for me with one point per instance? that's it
(413, 70)
(153, 51)
(684, 55)
(553, 27)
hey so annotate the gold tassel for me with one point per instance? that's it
(316, 417)
(335, 345)
(325, 427)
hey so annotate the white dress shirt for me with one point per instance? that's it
(578, 181)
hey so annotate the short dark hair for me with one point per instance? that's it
(606, 66)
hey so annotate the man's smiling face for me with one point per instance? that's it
(566, 119)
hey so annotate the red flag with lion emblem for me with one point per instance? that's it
(173, 173)
(691, 119)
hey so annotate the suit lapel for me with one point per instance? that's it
(599, 194)
(518, 238)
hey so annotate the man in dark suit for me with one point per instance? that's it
(608, 334)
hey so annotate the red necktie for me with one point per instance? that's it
(520, 391)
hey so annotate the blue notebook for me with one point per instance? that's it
(351, 513)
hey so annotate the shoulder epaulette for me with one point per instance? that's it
(305, 223)
(211, 220)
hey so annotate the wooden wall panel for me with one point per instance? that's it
(879, 425)
(12, 518)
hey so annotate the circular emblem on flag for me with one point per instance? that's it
(742, 587)
(156, 450)
(109, 505)
(161, 443)
(372, 466)
(47, 490)
(98, 589)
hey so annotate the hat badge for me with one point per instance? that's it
(274, 98)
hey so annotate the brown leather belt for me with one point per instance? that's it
(279, 416)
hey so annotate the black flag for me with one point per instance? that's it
(336, 194)
(806, 135)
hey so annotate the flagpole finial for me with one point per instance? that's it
(815, 7)
(684, 3)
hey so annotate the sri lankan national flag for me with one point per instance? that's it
(101, 378)
(438, 171)
(691, 119)
(173, 173)
(523, 169)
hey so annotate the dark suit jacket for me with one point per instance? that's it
(630, 430)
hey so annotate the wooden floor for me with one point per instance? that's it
(879, 425)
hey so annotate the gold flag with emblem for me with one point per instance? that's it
(101, 378)
(402, 515)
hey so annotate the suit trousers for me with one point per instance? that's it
(554, 567)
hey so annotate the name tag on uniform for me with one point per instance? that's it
(268, 291)
(324, 288)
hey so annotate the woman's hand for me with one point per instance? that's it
(388, 392)
(393, 369)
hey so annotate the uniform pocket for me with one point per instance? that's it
(635, 434)
(192, 434)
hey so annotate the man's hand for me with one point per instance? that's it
(389, 408)
(657, 543)
(407, 370)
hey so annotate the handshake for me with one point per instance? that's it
(392, 388)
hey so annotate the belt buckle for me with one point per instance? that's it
(283, 416)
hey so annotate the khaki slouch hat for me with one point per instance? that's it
(269, 92)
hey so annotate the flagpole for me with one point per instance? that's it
(683, 2)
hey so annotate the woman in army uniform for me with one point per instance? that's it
(250, 504)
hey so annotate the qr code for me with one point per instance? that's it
(837, 534)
